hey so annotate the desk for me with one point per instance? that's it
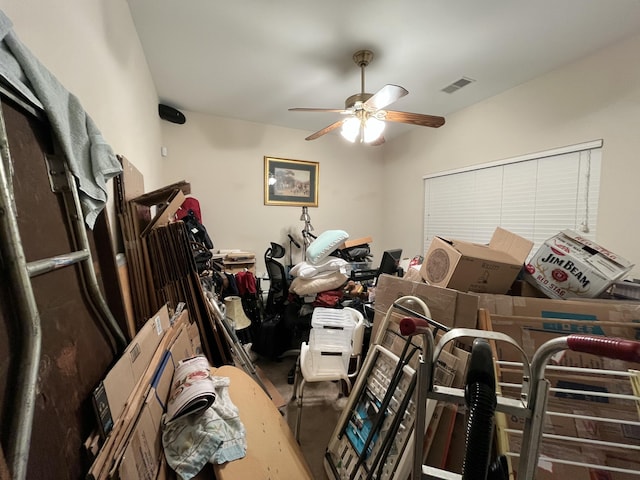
(272, 451)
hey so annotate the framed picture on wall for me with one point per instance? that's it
(290, 182)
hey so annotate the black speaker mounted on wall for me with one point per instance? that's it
(170, 114)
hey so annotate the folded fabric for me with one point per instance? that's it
(328, 298)
(246, 282)
(309, 286)
(307, 270)
(217, 435)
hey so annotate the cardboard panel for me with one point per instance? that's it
(125, 374)
(272, 451)
(448, 307)
(532, 322)
(133, 448)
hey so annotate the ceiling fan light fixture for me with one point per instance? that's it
(367, 112)
(350, 129)
(373, 128)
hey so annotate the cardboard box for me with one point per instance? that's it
(133, 447)
(124, 375)
(471, 267)
(354, 242)
(569, 265)
(238, 261)
(548, 469)
(576, 427)
(532, 321)
(520, 288)
(143, 452)
(448, 307)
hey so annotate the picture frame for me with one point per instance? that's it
(290, 182)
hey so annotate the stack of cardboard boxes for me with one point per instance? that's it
(567, 275)
(131, 399)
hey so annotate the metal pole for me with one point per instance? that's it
(28, 327)
(89, 277)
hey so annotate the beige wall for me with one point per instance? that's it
(595, 98)
(93, 49)
(223, 161)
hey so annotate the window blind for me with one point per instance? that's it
(535, 196)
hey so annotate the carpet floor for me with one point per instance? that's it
(321, 409)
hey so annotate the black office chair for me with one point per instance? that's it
(278, 280)
(291, 328)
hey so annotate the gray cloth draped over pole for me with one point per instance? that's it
(90, 159)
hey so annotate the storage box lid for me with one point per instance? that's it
(590, 248)
(333, 318)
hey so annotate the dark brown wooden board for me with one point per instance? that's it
(76, 353)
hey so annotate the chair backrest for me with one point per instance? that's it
(278, 281)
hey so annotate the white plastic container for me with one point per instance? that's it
(332, 330)
(329, 361)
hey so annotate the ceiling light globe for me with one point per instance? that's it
(350, 129)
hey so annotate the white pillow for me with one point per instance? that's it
(306, 270)
(326, 243)
(308, 286)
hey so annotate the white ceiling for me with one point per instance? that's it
(254, 59)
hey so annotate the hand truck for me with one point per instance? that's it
(532, 405)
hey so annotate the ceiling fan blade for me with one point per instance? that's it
(414, 119)
(325, 130)
(336, 110)
(385, 96)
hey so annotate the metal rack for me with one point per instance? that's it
(529, 399)
(530, 402)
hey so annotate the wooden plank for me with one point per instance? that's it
(354, 242)
(109, 274)
(277, 399)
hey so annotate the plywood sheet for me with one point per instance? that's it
(272, 450)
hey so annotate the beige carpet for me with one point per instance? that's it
(322, 406)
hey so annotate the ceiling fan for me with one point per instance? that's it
(365, 114)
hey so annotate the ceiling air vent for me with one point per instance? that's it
(457, 85)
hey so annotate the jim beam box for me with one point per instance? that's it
(569, 266)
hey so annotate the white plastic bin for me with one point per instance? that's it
(332, 330)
